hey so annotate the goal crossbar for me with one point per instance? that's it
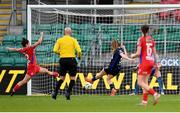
(105, 6)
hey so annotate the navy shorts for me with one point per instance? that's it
(113, 71)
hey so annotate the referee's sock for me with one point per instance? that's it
(58, 85)
(71, 84)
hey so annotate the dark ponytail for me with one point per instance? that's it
(145, 29)
(24, 42)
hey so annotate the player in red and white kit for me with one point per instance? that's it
(32, 67)
(146, 51)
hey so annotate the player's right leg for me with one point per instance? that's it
(44, 70)
(145, 86)
(20, 84)
(98, 76)
(112, 88)
(145, 93)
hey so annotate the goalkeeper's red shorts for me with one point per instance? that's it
(33, 69)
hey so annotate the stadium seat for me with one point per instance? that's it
(49, 39)
(18, 38)
(15, 54)
(20, 61)
(34, 38)
(46, 28)
(44, 50)
(45, 60)
(9, 40)
(3, 51)
(58, 28)
(7, 61)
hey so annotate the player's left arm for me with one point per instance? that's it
(138, 52)
(39, 40)
(124, 48)
(12, 49)
(126, 57)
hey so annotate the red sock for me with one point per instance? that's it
(17, 87)
(55, 74)
(145, 97)
(151, 91)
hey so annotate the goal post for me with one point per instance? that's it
(94, 31)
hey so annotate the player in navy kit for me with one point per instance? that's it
(113, 69)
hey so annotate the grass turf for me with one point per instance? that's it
(87, 103)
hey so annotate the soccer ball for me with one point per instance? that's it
(88, 85)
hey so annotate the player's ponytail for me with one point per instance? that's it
(145, 29)
(115, 44)
(24, 42)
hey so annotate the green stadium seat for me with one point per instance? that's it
(44, 50)
(15, 54)
(19, 38)
(3, 51)
(45, 60)
(7, 61)
(48, 39)
(57, 28)
(34, 38)
(46, 28)
(20, 61)
(159, 37)
(9, 40)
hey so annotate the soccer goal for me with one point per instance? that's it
(94, 26)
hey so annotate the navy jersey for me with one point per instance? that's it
(116, 60)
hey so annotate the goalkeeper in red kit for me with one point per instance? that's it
(32, 67)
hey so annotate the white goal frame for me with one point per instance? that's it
(30, 7)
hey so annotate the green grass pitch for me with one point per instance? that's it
(87, 103)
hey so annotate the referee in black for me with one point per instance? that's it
(66, 47)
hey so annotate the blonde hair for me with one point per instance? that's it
(115, 44)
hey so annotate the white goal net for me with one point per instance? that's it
(94, 27)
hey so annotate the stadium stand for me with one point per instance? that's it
(107, 34)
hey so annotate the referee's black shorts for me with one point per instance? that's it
(68, 65)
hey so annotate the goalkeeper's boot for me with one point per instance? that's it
(89, 80)
(12, 93)
(54, 95)
(67, 96)
(156, 98)
(113, 92)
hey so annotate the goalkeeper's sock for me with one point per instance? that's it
(145, 97)
(71, 84)
(152, 92)
(55, 74)
(58, 86)
(111, 86)
(160, 84)
(17, 87)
